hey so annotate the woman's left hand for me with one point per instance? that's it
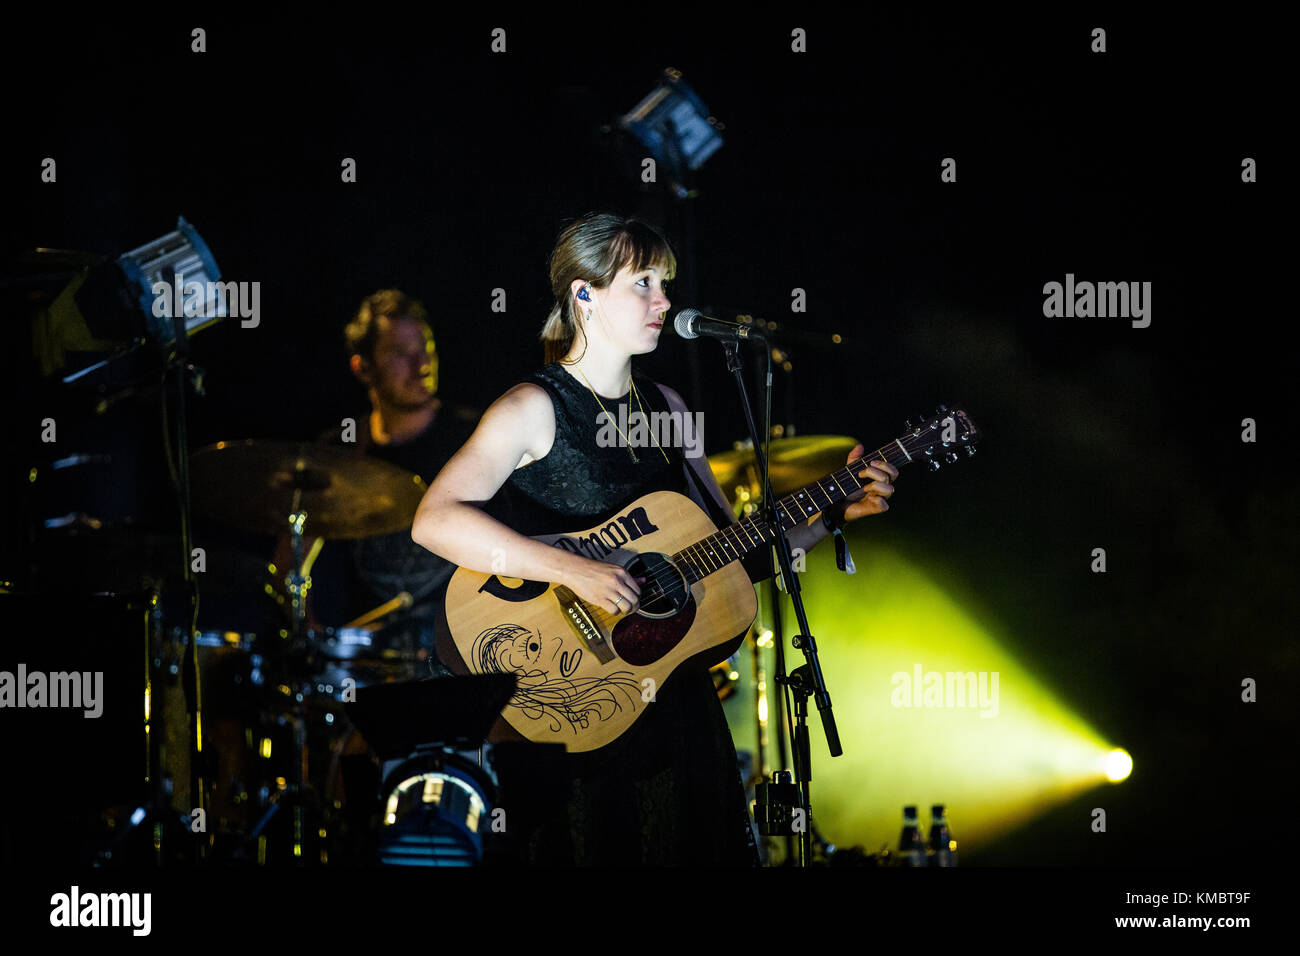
(873, 499)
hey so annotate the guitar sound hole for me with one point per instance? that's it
(664, 591)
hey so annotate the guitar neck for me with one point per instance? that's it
(752, 532)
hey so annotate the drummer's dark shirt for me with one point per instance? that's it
(351, 577)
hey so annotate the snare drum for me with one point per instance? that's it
(353, 657)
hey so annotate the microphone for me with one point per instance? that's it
(690, 324)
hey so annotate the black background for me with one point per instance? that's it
(1122, 166)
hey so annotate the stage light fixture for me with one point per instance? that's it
(673, 123)
(179, 253)
(437, 806)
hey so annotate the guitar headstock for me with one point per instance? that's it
(941, 438)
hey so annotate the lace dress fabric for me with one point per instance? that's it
(669, 792)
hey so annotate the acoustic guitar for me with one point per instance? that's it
(586, 675)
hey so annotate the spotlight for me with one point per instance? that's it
(1118, 765)
(179, 253)
(439, 780)
(436, 808)
(674, 124)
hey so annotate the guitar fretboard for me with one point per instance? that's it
(744, 536)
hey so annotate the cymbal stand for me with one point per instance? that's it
(299, 585)
(291, 656)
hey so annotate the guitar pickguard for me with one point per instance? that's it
(642, 641)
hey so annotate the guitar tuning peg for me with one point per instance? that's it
(943, 409)
(970, 450)
(934, 464)
(950, 457)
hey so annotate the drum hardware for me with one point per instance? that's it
(338, 494)
(231, 669)
(401, 602)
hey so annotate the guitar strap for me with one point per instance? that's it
(705, 495)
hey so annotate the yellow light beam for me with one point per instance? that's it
(930, 709)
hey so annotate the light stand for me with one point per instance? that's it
(159, 264)
(178, 365)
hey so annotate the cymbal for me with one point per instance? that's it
(793, 463)
(255, 485)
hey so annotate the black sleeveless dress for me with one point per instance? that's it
(669, 792)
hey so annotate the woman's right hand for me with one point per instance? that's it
(605, 585)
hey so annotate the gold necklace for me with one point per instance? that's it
(644, 418)
(626, 442)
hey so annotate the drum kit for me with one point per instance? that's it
(275, 732)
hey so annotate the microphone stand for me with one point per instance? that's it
(807, 680)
